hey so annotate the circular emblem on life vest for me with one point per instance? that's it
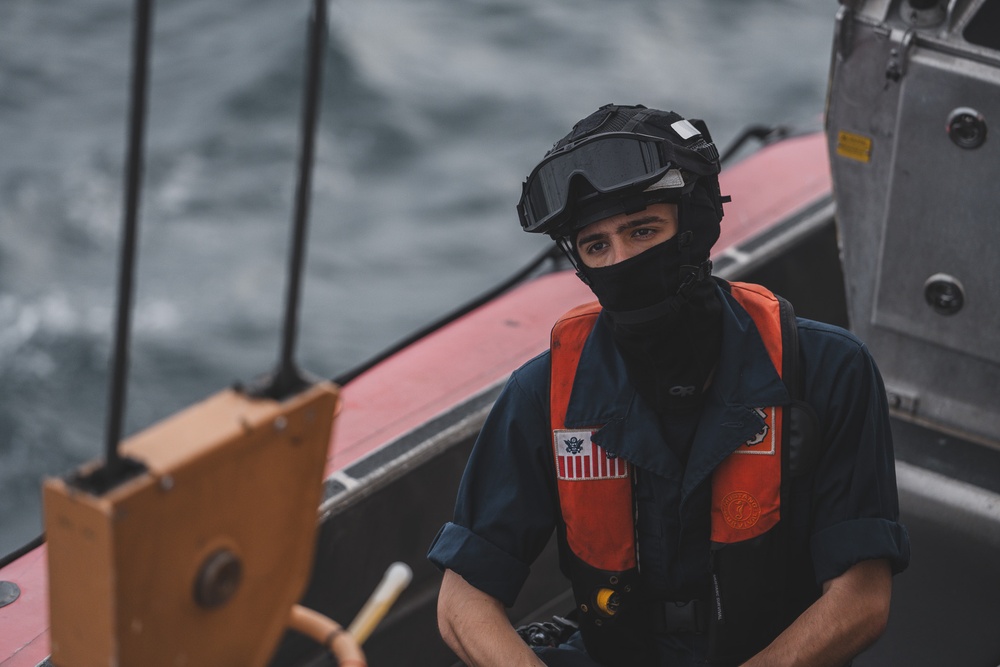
(740, 510)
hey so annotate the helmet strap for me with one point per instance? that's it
(566, 244)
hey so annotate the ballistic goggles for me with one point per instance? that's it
(616, 163)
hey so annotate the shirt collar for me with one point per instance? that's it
(745, 379)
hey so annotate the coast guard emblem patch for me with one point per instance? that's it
(763, 442)
(578, 458)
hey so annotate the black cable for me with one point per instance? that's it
(553, 254)
(764, 133)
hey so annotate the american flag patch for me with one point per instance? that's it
(577, 457)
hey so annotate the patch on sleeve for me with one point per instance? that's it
(578, 458)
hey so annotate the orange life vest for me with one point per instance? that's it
(595, 490)
(595, 496)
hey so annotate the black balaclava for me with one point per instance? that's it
(664, 311)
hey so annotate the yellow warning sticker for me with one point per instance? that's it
(854, 146)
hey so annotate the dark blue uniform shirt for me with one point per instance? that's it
(844, 512)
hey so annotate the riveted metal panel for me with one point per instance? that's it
(917, 213)
(944, 202)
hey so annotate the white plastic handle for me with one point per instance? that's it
(396, 578)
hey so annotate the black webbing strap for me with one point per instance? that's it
(801, 435)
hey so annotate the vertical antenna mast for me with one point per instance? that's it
(287, 378)
(118, 468)
(133, 190)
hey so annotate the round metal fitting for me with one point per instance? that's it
(607, 601)
(967, 128)
(9, 592)
(218, 579)
(944, 294)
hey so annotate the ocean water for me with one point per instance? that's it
(433, 113)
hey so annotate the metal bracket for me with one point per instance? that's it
(949, 14)
(902, 401)
(843, 32)
(899, 55)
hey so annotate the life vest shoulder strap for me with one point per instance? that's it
(569, 334)
(803, 438)
(595, 489)
(747, 485)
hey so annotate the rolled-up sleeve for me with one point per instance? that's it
(855, 504)
(840, 546)
(507, 505)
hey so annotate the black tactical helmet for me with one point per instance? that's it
(621, 159)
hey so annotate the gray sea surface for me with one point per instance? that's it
(433, 113)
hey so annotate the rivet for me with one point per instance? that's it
(967, 128)
(613, 580)
(944, 293)
(583, 608)
(280, 423)
(166, 482)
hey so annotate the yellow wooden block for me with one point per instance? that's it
(198, 560)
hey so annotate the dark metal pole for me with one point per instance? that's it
(288, 380)
(133, 186)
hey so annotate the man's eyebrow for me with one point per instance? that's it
(637, 222)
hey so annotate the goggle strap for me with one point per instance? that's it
(565, 244)
(636, 119)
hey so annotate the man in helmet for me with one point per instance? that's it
(719, 474)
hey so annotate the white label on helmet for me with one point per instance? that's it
(685, 129)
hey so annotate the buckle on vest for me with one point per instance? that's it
(676, 617)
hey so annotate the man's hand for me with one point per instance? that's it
(848, 617)
(476, 628)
